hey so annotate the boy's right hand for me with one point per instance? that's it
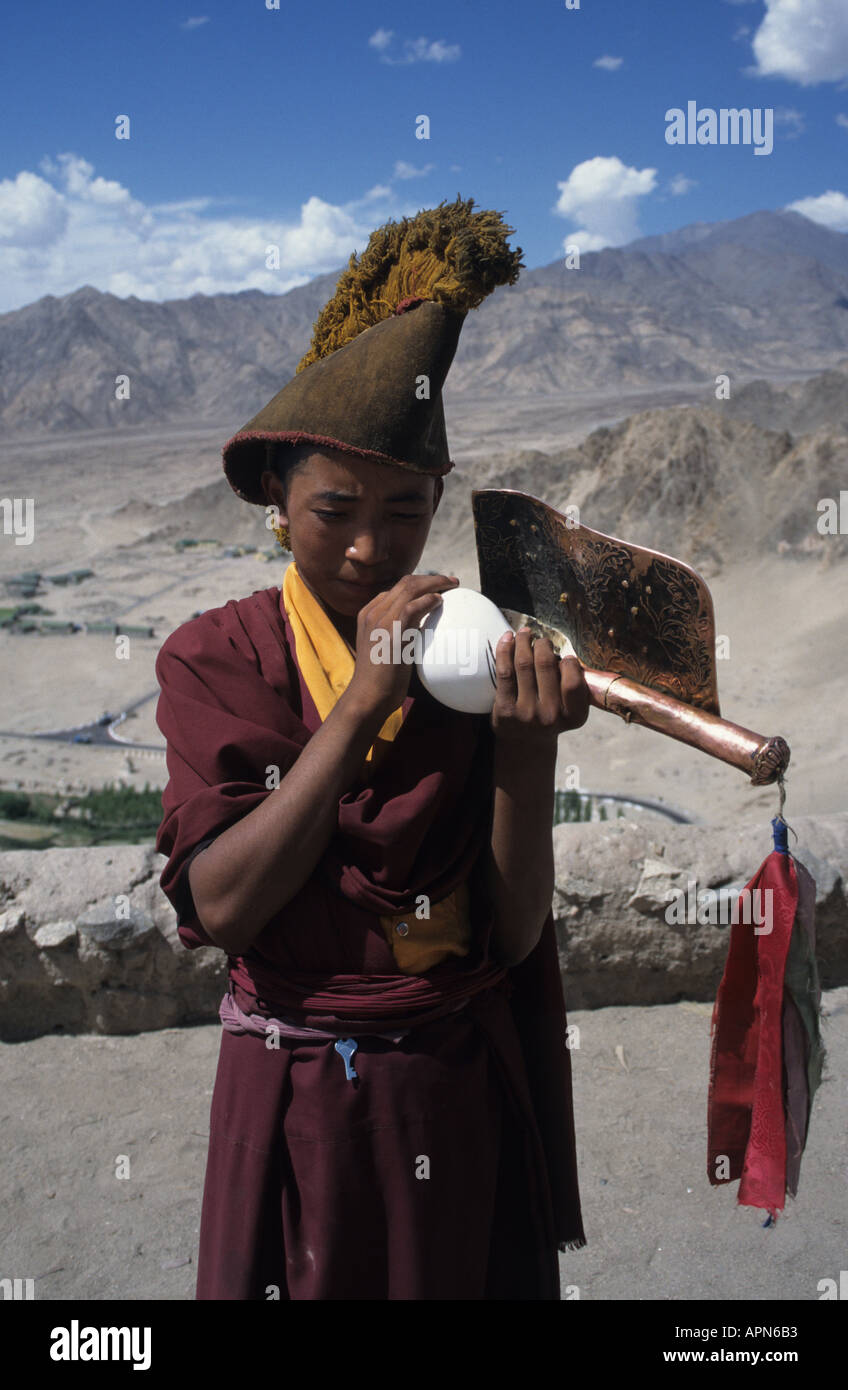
(382, 686)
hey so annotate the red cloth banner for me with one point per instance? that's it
(746, 1118)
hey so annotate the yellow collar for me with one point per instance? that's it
(325, 659)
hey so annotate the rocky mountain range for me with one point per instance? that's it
(762, 296)
(700, 482)
(799, 406)
(713, 490)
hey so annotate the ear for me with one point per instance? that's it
(437, 493)
(275, 494)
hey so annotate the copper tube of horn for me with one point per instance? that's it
(764, 759)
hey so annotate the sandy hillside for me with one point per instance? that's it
(779, 604)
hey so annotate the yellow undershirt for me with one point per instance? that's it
(327, 663)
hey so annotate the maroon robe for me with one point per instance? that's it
(448, 1168)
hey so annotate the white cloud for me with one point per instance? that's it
(403, 170)
(830, 209)
(75, 174)
(31, 212)
(195, 22)
(842, 120)
(423, 51)
(380, 190)
(185, 205)
(415, 50)
(805, 41)
(680, 184)
(67, 227)
(792, 121)
(608, 63)
(603, 195)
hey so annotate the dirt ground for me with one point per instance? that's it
(656, 1229)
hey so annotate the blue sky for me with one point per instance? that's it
(251, 127)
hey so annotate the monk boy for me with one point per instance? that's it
(392, 1113)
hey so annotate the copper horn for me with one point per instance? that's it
(640, 622)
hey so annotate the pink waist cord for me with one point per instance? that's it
(235, 1020)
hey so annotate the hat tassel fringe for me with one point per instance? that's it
(448, 254)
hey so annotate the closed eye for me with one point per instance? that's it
(343, 516)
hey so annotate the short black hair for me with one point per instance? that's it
(289, 459)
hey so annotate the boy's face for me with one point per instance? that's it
(353, 546)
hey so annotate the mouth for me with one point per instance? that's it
(374, 586)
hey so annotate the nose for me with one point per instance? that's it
(370, 547)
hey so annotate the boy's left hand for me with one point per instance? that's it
(538, 696)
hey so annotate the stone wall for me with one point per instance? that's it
(613, 886)
(71, 961)
(88, 941)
